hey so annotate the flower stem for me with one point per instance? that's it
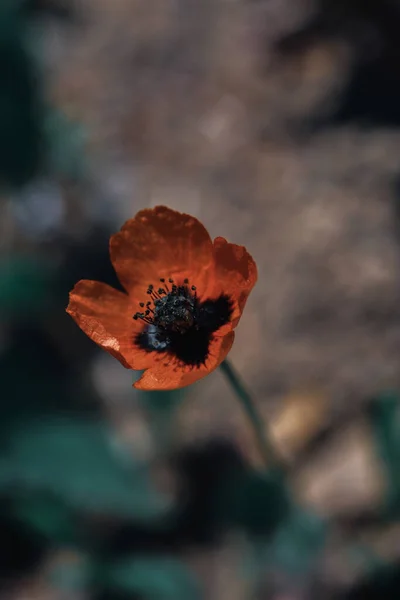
(265, 445)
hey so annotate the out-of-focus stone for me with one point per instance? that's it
(345, 478)
(299, 418)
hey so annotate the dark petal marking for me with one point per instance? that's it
(213, 314)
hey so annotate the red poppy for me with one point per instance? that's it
(185, 295)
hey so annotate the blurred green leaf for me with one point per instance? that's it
(34, 138)
(25, 287)
(65, 142)
(297, 543)
(363, 559)
(384, 415)
(161, 407)
(48, 515)
(382, 582)
(36, 379)
(10, 8)
(161, 402)
(257, 502)
(72, 575)
(75, 459)
(21, 143)
(156, 578)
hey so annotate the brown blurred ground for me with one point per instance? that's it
(194, 107)
(196, 110)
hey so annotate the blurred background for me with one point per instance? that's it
(276, 123)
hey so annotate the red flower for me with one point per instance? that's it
(185, 295)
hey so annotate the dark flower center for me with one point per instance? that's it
(177, 322)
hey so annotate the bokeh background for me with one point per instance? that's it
(276, 122)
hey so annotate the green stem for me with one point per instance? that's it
(265, 445)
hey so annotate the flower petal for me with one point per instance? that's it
(235, 275)
(105, 315)
(170, 377)
(161, 242)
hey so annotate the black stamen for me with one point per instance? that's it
(177, 323)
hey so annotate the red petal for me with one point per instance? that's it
(105, 315)
(170, 377)
(235, 275)
(161, 243)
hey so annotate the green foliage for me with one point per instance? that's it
(298, 541)
(65, 146)
(296, 545)
(47, 515)
(76, 460)
(33, 137)
(35, 380)
(153, 578)
(25, 287)
(161, 407)
(162, 403)
(21, 144)
(255, 501)
(382, 582)
(385, 419)
(71, 575)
